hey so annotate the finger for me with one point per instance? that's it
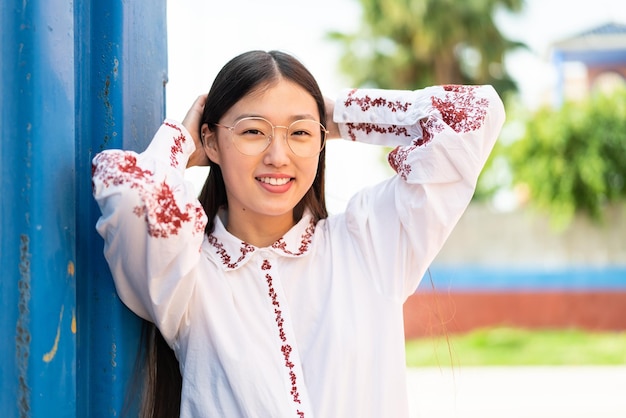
(200, 101)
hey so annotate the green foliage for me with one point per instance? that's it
(410, 44)
(519, 347)
(573, 159)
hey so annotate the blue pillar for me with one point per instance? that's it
(37, 229)
(121, 48)
(77, 77)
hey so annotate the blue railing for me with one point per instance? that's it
(535, 279)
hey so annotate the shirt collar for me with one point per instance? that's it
(231, 253)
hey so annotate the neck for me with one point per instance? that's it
(260, 231)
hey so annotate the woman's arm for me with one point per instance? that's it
(442, 138)
(152, 225)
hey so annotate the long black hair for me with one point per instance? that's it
(242, 75)
(161, 378)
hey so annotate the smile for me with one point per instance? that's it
(274, 181)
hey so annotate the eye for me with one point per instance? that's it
(304, 131)
(253, 128)
(300, 132)
(253, 131)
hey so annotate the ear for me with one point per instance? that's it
(209, 142)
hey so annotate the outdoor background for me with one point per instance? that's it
(525, 318)
(203, 36)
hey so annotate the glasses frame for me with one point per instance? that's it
(270, 138)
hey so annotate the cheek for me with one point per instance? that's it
(233, 172)
(310, 170)
(237, 170)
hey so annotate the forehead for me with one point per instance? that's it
(281, 100)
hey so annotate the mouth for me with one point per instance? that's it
(274, 181)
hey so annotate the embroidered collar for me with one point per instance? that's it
(231, 253)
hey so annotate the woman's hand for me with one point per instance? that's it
(192, 123)
(333, 128)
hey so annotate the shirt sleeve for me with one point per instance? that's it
(152, 225)
(442, 137)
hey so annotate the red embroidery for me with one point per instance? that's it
(305, 241)
(398, 157)
(116, 168)
(461, 109)
(397, 160)
(430, 127)
(286, 349)
(159, 208)
(221, 251)
(366, 102)
(177, 148)
(199, 217)
(381, 129)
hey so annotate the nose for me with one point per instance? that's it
(278, 152)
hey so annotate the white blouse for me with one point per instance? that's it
(312, 325)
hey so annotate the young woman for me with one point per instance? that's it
(273, 308)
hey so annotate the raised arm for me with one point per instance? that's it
(442, 138)
(152, 225)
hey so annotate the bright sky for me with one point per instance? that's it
(203, 35)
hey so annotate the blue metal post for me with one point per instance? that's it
(77, 77)
(37, 227)
(121, 48)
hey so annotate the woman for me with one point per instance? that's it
(275, 309)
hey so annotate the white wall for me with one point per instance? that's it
(525, 239)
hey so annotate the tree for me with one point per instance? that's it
(410, 44)
(573, 159)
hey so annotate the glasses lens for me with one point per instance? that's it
(306, 137)
(252, 135)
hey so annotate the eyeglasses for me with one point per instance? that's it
(253, 135)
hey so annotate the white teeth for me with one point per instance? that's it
(274, 181)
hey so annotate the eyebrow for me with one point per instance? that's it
(293, 118)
